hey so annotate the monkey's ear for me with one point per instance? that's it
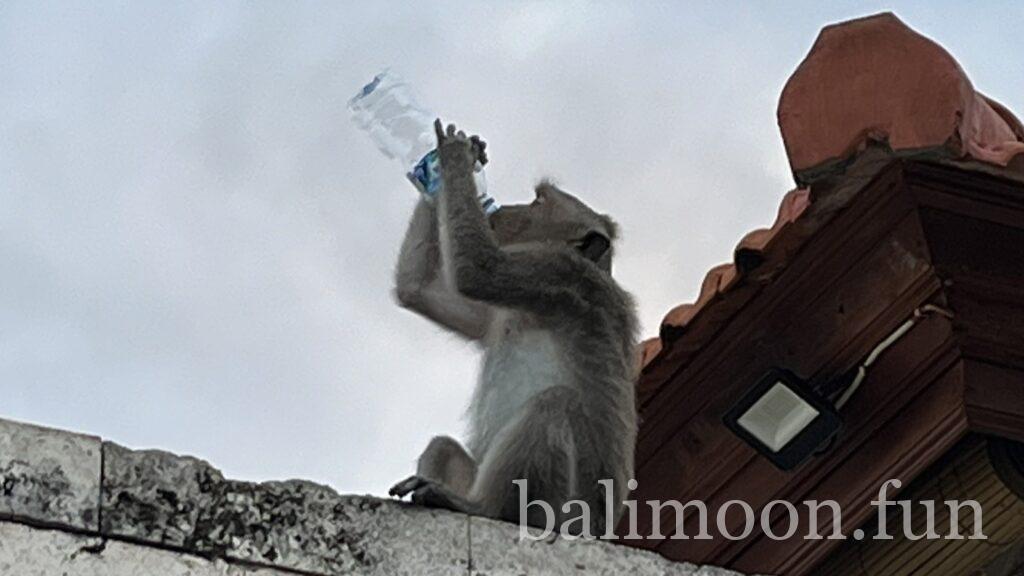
(594, 246)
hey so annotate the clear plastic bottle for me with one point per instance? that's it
(386, 109)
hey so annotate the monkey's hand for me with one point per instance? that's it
(456, 150)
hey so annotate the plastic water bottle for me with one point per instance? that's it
(387, 110)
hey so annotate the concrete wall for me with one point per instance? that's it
(74, 505)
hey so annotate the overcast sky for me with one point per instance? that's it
(196, 246)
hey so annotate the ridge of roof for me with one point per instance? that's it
(870, 90)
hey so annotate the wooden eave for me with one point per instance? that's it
(880, 240)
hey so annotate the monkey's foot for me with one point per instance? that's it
(408, 485)
(426, 492)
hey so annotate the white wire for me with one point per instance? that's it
(896, 334)
(861, 372)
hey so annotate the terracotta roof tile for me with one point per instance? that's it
(866, 81)
(649, 349)
(876, 79)
(721, 279)
(748, 253)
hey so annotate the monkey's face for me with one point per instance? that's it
(555, 218)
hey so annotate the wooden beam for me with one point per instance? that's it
(994, 399)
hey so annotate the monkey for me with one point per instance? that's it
(531, 284)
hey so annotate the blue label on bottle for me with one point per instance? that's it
(427, 173)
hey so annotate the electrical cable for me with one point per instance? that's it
(896, 334)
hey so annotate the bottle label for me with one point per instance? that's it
(426, 175)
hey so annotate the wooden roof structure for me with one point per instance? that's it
(911, 193)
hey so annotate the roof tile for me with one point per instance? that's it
(722, 278)
(864, 81)
(876, 79)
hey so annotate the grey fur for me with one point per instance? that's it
(555, 401)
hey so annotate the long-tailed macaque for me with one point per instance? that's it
(555, 400)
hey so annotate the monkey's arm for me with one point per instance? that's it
(419, 285)
(541, 282)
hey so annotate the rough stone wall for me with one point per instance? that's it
(74, 505)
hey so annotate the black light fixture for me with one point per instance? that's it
(784, 419)
(788, 421)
